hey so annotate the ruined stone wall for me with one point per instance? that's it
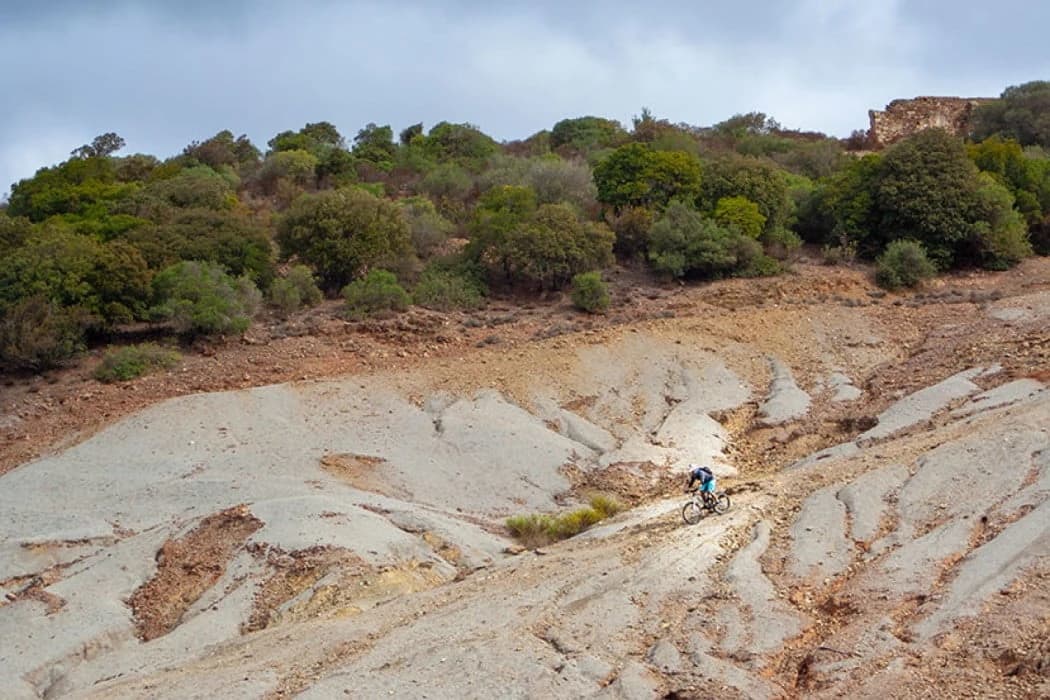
(902, 118)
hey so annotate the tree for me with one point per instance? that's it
(463, 143)
(635, 175)
(1022, 113)
(753, 178)
(341, 233)
(585, 134)
(109, 281)
(926, 191)
(410, 133)
(542, 246)
(740, 213)
(376, 145)
(101, 146)
(684, 242)
(229, 238)
(223, 149)
(199, 298)
(79, 186)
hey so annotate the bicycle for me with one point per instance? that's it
(694, 508)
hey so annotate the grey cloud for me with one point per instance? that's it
(164, 73)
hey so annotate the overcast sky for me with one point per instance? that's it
(164, 73)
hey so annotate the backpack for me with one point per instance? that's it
(703, 474)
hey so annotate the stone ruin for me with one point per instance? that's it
(902, 118)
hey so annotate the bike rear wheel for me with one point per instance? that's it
(721, 503)
(692, 512)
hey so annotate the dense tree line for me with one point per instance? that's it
(446, 216)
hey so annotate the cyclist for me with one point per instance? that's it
(706, 477)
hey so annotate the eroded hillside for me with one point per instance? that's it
(887, 457)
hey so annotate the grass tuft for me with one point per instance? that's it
(538, 529)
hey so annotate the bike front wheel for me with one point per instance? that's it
(691, 513)
(721, 503)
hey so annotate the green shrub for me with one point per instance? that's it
(740, 213)
(538, 529)
(589, 292)
(377, 291)
(446, 290)
(37, 334)
(295, 290)
(904, 264)
(199, 298)
(122, 364)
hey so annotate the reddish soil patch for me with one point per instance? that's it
(188, 567)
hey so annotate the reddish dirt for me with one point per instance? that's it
(188, 567)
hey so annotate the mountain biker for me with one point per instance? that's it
(706, 477)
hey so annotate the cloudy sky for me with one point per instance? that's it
(164, 73)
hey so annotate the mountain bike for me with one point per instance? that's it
(699, 502)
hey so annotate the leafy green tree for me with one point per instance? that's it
(376, 292)
(1027, 178)
(1001, 235)
(229, 238)
(341, 233)
(740, 213)
(410, 133)
(317, 138)
(684, 242)
(196, 187)
(199, 298)
(536, 245)
(741, 176)
(79, 186)
(465, 144)
(844, 212)
(110, 281)
(100, 147)
(635, 175)
(223, 149)
(1021, 113)
(927, 191)
(297, 167)
(585, 134)
(376, 145)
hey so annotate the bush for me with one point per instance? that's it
(904, 264)
(446, 290)
(740, 213)
(589, 292)
(122, 364)
(685, 242)
(429, 230)
(295, 290)
(377, 291)
(199, 298)
(339, 233)
(538, 529)
(37, 334)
